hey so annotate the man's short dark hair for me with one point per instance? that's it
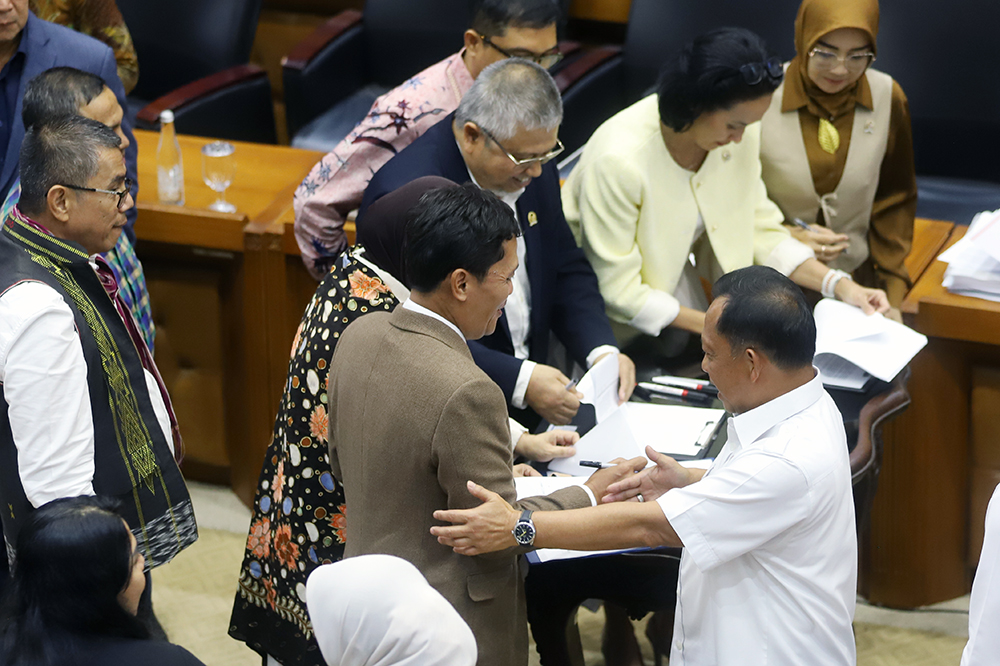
(766, 311)
(493, 17)
(60, 91)
(63, 151)
(704, 76)
(452, 228)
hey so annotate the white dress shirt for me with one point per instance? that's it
(769, 569)
(518, 311)
(44, 378)
(983, 648)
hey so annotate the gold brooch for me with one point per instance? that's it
(532, 218)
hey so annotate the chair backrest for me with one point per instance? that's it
(658, 28)
(184, 40)
(942, 54)
(405, 36)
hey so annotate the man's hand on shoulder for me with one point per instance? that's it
(652, 482)
(547, 394)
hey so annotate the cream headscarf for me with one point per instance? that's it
(815, 19)
(379, 610)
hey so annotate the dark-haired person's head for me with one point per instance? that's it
(67, 91)
(73, 181)
(759, 337)
(512, 28)
(77, 574)
(460, 254)
(717, 85)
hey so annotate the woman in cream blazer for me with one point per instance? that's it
(669, 191)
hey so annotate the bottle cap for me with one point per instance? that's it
(166, 116)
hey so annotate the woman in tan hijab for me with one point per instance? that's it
(836, 147)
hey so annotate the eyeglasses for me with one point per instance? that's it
(546, 60)
(127, 185)
(854, 62)
(754, 72)
(543, 159)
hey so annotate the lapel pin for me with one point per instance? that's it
(869, 127)
(726, 155)
(532, 218)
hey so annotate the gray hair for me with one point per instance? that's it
(63, 151)
(509, 96)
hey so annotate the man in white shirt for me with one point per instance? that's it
(503, 137)
(84, 411)
(983, 647)
(769, 567)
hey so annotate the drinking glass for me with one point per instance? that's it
(218, 166)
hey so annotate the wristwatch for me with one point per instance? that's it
(524, 530)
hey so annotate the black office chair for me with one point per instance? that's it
(332, 78)
(606, 81)
(193, 59)
(941, 55)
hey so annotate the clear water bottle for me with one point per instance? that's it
(169, 167)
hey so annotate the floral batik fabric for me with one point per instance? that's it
(336, 184)
(299, 518)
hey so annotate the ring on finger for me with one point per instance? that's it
(640, 497)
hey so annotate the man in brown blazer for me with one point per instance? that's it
(412, 417)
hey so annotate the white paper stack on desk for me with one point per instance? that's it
(625, 430)
(851, 346)
(974, 261)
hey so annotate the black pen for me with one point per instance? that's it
(595, 464)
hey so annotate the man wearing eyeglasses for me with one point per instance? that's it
(500, 29)
(502, 137)
(83, 408)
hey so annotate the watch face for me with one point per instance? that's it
(524, 533)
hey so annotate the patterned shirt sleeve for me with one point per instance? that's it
(336, 184)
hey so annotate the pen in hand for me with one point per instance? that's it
(802, 225)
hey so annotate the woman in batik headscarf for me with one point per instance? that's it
(836, 147)
(299, 516)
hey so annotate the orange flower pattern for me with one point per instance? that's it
(259, 542)
(299, 518)
(367, 287)
(319, 423)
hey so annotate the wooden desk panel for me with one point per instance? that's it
(929, 238)
(207, 278)
(918, 550)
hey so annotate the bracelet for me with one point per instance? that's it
(830, 280)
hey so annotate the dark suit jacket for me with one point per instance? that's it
(49, 45)
(564, 293)
(411, 420)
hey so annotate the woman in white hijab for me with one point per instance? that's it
(379, 610)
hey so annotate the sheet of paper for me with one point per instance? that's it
(600, 386)
(840, 373)
(672, 429)
(533, 486)
(609, 439)
(874, 343)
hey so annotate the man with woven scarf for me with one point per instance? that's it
(84, 410)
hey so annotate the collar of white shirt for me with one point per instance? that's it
(509, 198)
(751, 425)
(419, 309)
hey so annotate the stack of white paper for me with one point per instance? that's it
(851, 346)
(974, 261)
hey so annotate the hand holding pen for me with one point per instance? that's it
(827, 244)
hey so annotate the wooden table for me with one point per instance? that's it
(919, 551)
(207, 277)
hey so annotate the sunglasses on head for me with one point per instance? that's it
(754, 72)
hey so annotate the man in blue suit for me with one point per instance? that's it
(28, 47)
(502, 138)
